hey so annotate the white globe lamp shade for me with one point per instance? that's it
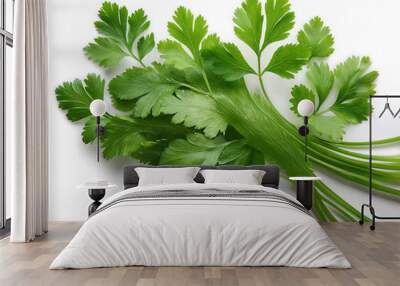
(305, 107)
(97, 107)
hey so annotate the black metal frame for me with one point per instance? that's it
(369, 205)
(6, 39)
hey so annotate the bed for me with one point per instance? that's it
(201, 224)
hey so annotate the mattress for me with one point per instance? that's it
(201, 225)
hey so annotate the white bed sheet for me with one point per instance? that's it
(199, 231)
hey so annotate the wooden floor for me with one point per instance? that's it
(375, 257)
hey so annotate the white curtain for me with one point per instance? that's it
(26, 160)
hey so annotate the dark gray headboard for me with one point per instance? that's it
(271, 177)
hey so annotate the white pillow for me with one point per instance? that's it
(247, 177)
(165, 176)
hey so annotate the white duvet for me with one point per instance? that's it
(200, 231)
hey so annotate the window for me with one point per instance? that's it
(6, 44)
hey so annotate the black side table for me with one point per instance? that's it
(304, 192)
(96, 193)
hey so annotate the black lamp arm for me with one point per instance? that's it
(303, 130)
(100, 130)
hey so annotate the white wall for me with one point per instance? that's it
(360, 27)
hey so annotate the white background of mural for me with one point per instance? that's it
(360, 27)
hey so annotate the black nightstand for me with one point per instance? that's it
(305, 188)
(96, 193)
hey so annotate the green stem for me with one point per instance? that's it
(260, 79)
(347, 165)
(138, 60)
(286, 125)
(336, 201)
(108, 115)
(192, 88)
(129, 52)
(354, 177)
(343, 214)
(365, 144)
(361, 165)
(206, 81)
(321, 209)
(325, 144)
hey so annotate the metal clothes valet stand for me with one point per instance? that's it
(369, 205)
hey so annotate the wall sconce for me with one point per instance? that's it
(305, 108)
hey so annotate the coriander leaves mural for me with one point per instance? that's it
(194, 107)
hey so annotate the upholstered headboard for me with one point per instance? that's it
(271, 177)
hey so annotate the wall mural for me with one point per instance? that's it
(194, 107)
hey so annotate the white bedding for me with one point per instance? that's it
(200, 231)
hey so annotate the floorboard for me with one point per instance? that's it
(375, 257)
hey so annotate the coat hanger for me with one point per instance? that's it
(397, 113)
(387, 107)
